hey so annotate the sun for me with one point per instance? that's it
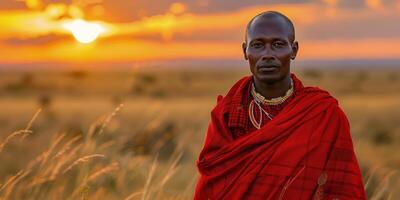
(83, 31)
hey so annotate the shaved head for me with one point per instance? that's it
(269, 47)
(273, 15)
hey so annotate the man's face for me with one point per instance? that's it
(269, 49)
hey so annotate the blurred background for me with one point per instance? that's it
(110, 99)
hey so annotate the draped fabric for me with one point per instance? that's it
(305, 152)
(239, 120)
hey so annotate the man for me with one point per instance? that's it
(272, 138)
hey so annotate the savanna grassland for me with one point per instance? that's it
(136, 134)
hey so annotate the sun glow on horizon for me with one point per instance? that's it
(83, 31)
(181, 33)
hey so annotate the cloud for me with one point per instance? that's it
(194, 24)
(37, 41)
(11, 5)
(125, 11)
(35, 23)
(354, 24)
(374, 4)
(177, 22)
(181, 30)
(351, 49)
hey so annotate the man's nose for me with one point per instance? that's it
(268, 54)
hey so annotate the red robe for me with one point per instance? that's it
(305, 152)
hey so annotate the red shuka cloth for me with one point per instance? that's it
(238, 119)
(305, 152)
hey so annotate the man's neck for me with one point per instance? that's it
(272, 90)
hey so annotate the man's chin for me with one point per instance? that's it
(268, 79)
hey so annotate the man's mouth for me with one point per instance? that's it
(268, 68)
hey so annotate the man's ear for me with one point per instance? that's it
(244, 47)
(295, 49)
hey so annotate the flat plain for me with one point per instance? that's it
(136, 134)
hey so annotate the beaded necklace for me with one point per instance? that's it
(260, 100)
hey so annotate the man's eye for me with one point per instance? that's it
(257, 45)
(279, 44)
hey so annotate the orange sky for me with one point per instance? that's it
(37, 31)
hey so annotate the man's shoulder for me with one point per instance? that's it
(235, 89)
(234, 92)
(317, 91)
(335, 110)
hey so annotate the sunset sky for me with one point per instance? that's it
(113, 31)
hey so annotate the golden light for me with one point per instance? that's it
(177, 8)
(83, 31)
(331, 2)
(374, 4)
(34, 4)
(331, 8)
(56, 10)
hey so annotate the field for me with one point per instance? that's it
(136, 134)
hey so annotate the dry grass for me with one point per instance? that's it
(146, 147)
(67, 169)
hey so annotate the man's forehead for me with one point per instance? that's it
(274, 25)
